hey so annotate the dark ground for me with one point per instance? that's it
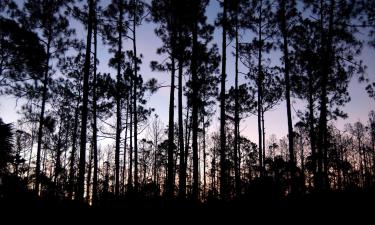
(19, 205)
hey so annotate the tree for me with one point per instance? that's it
(136, 15)
(115, 14)
(72, 86)
(236, 116)
(338, 48)
(287, 11)
(240, 103)
(252, 55)
(304, 42)
(223, 21)
(202, 86)
(85, 94)
(46, 18)
(183, 53)
(236, 21)
(94, 107)
(164, 13)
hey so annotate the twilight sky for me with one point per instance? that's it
(275, 121)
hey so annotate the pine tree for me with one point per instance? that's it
(286, 13)
(164, 13)
(47, 18)
(115, 14)
(338, 49)
(223, 167)
(85, 95)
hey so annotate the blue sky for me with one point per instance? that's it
(275, 120)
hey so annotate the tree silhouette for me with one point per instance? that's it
(223, 21)
(287, 12)
(85, 95)
(164, 13)
(46, 18)
(252, 55)
(337, 50)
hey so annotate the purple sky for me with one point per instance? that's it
(275, 121)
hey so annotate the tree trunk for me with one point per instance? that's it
(204, 159)
(223, 167)
(58, 155)
(326, 71)
(236, 111)
(86, 74)
(170, 172)
(41, 119)
(194, 114)
(130, 174)
(135, 99)
(187, 134)
(88, 182)
(118, 101)
(156, 135)
(66, 147)
(302, 158)
(182, 171)
(125, 144)
(31, 151)
(94, 112)
(259, 85)
(285, 50)
(263, 139)
(312, 127)
(74, 150)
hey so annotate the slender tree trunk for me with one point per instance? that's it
(302, 158)
(74, 150)
(31, 151)
(236, 109)
(58, 155)
(260, 91)
(88, 182)
(156, 135)
(170, 172)
(223, 167)
(284, 31)
(360, 159)
(44, 169)
(86, 74)
(118, 100)
(194, 114)
(94, 112)
(135, 99)
(204, 159)
(213, 170)
(187, 133)
(130, 174)
(263, 138)
(125, 144)
(41, 119)
(66, 146)
(312, 127)
(182, 171)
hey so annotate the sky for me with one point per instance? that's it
(275, 120)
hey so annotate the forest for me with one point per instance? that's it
(86, 137)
